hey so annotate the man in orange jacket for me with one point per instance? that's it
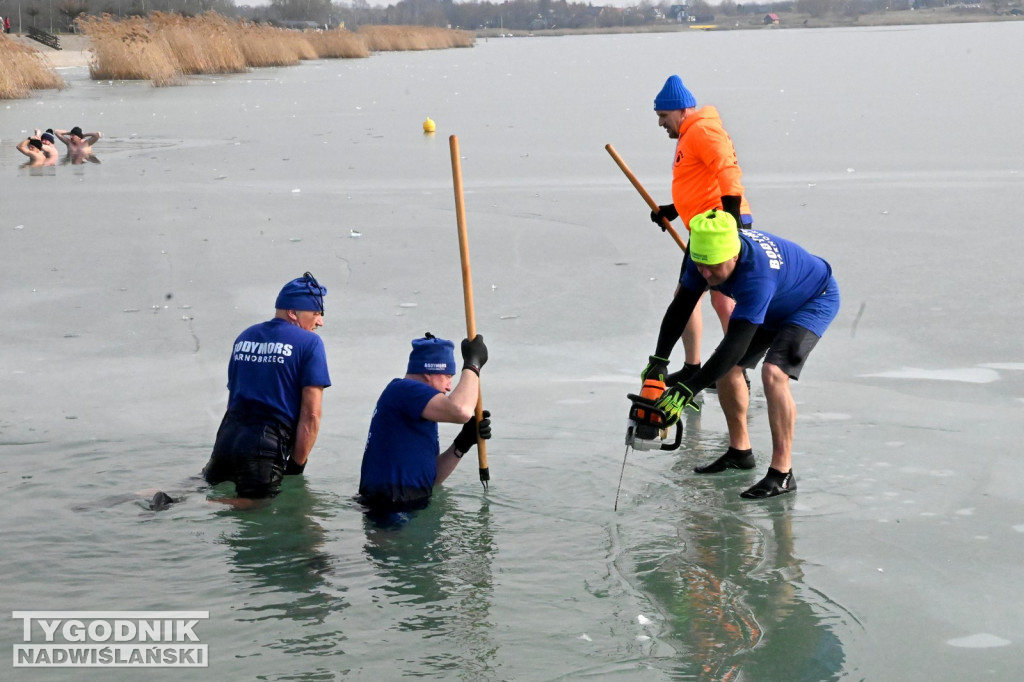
(705, 175)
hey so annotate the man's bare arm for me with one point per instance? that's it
(309, 423)
(458, 407)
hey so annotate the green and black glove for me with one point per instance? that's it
(466, 439)
(674, 401)
(657, 368)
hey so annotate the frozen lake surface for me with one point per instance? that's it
(895, 153)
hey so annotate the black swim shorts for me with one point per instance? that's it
(786, 348)
(251, 452)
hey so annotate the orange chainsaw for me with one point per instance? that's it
(645, 428)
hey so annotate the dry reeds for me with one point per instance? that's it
(129, 50)
(337, 44)
(399, 38)
(164, 48)
(23, 69)
(207, 45)
(265, 45)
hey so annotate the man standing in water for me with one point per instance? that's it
(79, 144)
(705, 175)
(49, 146)
(32, 147)
(276, 379)
(785, 300)
(402, 461)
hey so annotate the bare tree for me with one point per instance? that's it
(815, 8)
(70, 9)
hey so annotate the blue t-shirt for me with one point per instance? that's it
(271, 363)
(773, 282)
(400, 458)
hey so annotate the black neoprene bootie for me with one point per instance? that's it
(732, 459)
(682, 375)
(161, 501)
(774, 483)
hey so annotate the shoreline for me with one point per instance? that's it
(76, 49)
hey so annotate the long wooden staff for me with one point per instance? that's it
(647, 197)
(467, 294)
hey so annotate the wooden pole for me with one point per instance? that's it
(467, 294)
(647, 197)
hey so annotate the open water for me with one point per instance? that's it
(895, 153)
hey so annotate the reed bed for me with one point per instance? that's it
(209, 45)
(23, 69)
(400, 38)
(337, 44)
(130, 50)
(265, 45)
(164, 48)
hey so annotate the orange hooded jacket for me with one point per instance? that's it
(705, 167)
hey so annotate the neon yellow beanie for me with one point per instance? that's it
(714, 238)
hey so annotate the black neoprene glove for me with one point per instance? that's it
(668, 212)
(293, 469)
(466, 439)
(474, 354)
(731, 204)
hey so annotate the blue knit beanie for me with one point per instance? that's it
(674, 95)
(302, 293)
(431, 355)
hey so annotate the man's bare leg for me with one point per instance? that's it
(724, 306)
(782, 420)
(734, 398)
(781, 415)
(691, 336)
(240, 503)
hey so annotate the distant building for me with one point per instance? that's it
(771, 18)
(679, 12)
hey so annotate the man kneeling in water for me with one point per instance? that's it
(402, 461)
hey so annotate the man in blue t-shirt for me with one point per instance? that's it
(276, 379)
(785, 300)
(402, 461)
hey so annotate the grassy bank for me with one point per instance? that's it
(23, 69)
(401, 38)
(787, 20)
(167, 48)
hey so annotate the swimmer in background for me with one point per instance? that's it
(49, 147)
(32, 147)
(79, 144)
